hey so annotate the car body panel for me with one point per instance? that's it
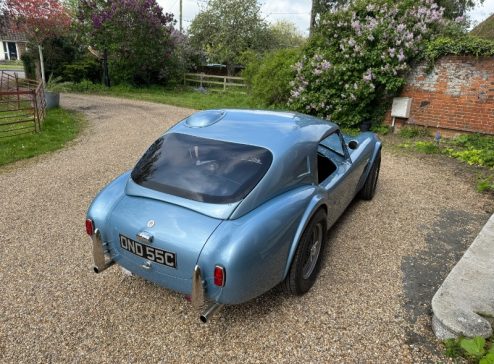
(218, 211)
(171, 231)
(254, 248)
(105, 200)
(254, 239)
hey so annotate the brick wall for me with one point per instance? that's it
(456, 96)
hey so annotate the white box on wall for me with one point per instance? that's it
(401, 107)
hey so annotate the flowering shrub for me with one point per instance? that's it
(359, 57)
(136, 34)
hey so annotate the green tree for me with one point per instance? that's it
(227, 28)
(457, 8)
(134, 35)
(284, 34)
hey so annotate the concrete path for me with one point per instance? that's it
(464, 304)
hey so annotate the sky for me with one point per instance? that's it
(296, 11)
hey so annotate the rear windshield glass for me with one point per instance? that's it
(201, 169)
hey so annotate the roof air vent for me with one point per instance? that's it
(204, 118)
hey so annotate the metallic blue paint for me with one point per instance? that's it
(254, 239)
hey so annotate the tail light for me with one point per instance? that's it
(89, 227)
(219, 276)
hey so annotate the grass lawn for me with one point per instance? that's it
(182, 96)
(12, 66)
(59, 127)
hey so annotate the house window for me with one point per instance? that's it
(10, 51)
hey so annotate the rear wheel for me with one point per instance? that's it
(307, 261)
(369, 189)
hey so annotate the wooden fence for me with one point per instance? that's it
(202, 80)
(22, 105)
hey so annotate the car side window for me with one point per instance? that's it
(330, 153)
(334, 143)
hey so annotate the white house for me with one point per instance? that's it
(12, 45)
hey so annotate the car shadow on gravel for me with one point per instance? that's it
(447, 239)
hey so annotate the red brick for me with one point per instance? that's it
(470, 111)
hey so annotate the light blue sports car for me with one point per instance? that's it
(228, 204)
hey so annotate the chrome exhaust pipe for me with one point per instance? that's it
(99, 269)
(210, 311)
(100, 261)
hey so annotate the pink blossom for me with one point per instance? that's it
(325, 65)
(401, 56)
(368, 76)
(356, 26)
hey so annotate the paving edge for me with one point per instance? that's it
(468, 291)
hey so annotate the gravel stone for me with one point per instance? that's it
(54, 309)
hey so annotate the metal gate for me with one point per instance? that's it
(22, 105)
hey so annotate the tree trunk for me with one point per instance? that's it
(313, 12)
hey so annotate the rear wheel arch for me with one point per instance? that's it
(295, 244)
(307, 261)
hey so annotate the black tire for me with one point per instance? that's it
(369, 189)
(307, 261)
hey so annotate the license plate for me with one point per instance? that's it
(148, 252)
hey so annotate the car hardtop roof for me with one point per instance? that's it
(273, 130)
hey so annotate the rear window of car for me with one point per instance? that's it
(200, 169)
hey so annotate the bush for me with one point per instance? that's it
(359, 57)
(86, 68)
(57, 53)
(63, 58)
(459, 45)
(252, 61)
(29, 65)
(270, 82)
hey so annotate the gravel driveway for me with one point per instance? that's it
(370, 304)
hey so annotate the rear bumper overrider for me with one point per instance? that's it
(198, 297)
(101, 255)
